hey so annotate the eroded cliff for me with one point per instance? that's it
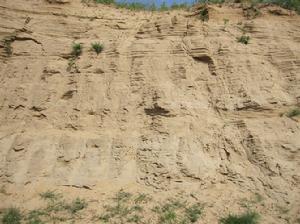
(172, 106)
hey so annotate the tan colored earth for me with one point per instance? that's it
(172, 107)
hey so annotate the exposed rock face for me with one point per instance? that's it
(172, 103)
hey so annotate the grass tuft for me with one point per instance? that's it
(34, 217)
(293, 113)
(243, 39)
(77, 205)
(12, 216)
(97, 47)
(288, 4)
(49, 195)
(7, 42)
(203, 14)
(107, 2)
(142, 6)
(76, 49)
(175, 211)
(246, 218)
(122, 196)
(142, 198)
(194, 212)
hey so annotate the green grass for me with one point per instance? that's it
(141, 6)
(34, 217)
(107, 2)
(243, 39)
(176, 211)
(258, 198)
(7, 45)
(246, 218)
(122, 196)
(293, 113)
(135, 219)
(226, 21)
(141, 198)
(57, 209)
(125, 208)
(76, 205)
(288, 4)
(168, 217)
(97, 47)
(119, 211)
(49, 195)
(194, 212)
(203, 14)
(134, 6)
(76, 49)
(12, 216)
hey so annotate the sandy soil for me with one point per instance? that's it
(173, 107)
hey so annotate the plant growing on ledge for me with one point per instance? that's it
(203, 14)
(97, 47)
(76, 49)
(293, 113)
(243, 39)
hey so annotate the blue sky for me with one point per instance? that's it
(159, 2)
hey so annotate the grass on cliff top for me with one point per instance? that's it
(288, 4)
(141, 6)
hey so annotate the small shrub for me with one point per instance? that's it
(293, 113)
(7, 41)
(168, 217)
(252, 11)
(34, 217)
(124, 208)
(226, 21)
(173, 211)
(246, 218)
(141, 198)
(134, 6)
(194, 212)
(163, 7)
(76, 49)
(49, 195)
(179, 6)
(288, 4)
(107, 2)
(97, 47)
(122, 196)
(135, 219)
(54, 207)
(12, 216)
(77, 205)
(203, 14)
(243, 39)
(258, 198)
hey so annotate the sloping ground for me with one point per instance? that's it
(172, 106)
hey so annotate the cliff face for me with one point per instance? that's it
(172, 104)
